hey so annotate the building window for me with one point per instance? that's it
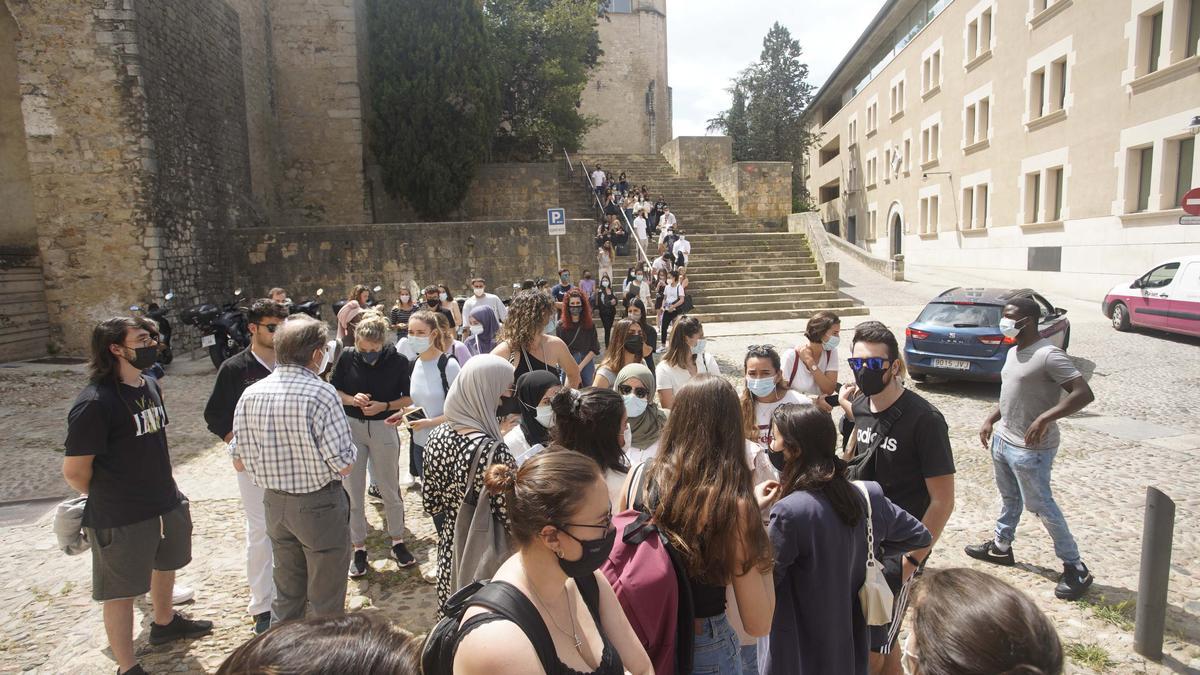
(1054, 199)
(1142, 169)
(931, 142)
(929, 214)
(872, 117)
(897, 99)
(978, 121)
(616, 6)
(872, 169)
(968, 208)
(1033, 196)
(872, 223)
(1193, 29)
(975, 206)
(1183, 156)
(1048, 89)
(852, 133)
(852, 179)
(907, 157)
(1150, 30)
(931, 72)
(979, 35)
(831, 151)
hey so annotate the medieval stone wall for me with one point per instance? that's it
(195, 122)
(696, 157)
(759, 190)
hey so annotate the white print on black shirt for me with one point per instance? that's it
(151, 419)
(867, 436)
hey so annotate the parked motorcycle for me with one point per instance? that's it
(309, 307)
(224, 331)
(159, 316)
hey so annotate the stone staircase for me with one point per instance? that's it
(24, 322)
(740, 269)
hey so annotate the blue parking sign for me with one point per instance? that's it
(556, 221)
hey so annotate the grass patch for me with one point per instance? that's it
(1090, 655)
(1120, 614)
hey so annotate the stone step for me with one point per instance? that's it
(777, 279)
(705, 249)
(756, 285)
(758, 315)
(739, 294)
(769, 304)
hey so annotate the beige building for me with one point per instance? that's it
(1054, 137)
(628, 90)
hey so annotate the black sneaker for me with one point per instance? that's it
(135, 670)
(988, 552)
(179, 628)
(262, 621)
(374, 493)
(402, 556)
(1073, 583)
(358, 566)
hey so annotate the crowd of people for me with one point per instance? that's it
(632, 516)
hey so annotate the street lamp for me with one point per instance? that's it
(1194, 127)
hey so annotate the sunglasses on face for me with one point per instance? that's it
(270, 327)
(872, 363)
(640, 392)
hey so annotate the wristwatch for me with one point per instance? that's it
(812, 368)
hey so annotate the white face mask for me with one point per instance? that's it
(699, 347)
(831, 343)
(627, 438)
(405, 298)
(479, 292)
(420, 345)
(1009, 327)
(635, 316)
(476, 329)
(443, 296)
(545, 416)
(327, 355)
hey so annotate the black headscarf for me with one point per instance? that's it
(531, 387)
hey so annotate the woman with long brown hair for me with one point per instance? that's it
(763, 394)
(578, 331)
(628, 345)
(708, 508)
(525, 344)
(686, 358)
(819, 535)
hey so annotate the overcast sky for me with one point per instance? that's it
(711, 41)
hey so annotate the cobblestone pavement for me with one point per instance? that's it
(1142, 424)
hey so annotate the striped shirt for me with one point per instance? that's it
(291, 433)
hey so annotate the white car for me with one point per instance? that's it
(1165, 298)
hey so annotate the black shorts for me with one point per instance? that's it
(893, 569)
(123, 557)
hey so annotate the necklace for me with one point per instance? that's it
(573, 634)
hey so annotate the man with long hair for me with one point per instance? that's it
(137, 521)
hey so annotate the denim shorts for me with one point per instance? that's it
(717, 650)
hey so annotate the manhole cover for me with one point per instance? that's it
(60, 360)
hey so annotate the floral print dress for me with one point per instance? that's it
(448, 455)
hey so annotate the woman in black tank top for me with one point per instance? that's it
(561, 520)
(526, 345)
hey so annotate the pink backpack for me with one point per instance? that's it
(650, 581)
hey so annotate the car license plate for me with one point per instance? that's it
(208, 341)
(952, 364)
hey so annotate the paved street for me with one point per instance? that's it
(1142, 430)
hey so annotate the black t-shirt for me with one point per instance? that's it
(386, 380)
(237, 372)
(915, 447)
(125, 428)
(559, 291)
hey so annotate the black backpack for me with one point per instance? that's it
(442, 361)
(437, 655)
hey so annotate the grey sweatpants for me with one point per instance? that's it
(379, 444)
(310, 542)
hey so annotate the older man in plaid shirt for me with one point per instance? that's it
(291, 437)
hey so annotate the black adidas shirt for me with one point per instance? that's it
(125, 428)
(916, 446)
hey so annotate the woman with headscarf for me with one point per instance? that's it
(532, 435)
(471, 419)
(635, 384)
(482, 326)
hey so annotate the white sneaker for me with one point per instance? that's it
(661, 350)
(406, 479)
(181, 594)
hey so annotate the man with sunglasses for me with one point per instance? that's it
(236, 374)
(901, 441)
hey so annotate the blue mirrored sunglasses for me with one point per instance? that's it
(872, 363)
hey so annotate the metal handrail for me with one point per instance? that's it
(570, 166)
(600, 208)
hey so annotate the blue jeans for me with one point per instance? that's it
(717, 648)
(750, 659)
(586, 373)
(1023, 478)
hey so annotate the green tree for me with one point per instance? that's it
(544, 51)
(768, 117)
(434, 98)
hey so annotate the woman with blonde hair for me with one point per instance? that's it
(525, 344)
(628, 345)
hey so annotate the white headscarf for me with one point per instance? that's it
(476, 392)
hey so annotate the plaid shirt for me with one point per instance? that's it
(291, 433)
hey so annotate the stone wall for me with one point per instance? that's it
(634, 64)
(319, 110)
(83, 108)
(191, 70)
(17, 227)
(696, 157)
(759, 190)
(394, 255)
(262, 132)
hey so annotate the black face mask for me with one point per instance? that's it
(575, 311)
(634, 344)
(434, 302)
(595, 552)
(143, 357)
(777, 460)
(871, 382)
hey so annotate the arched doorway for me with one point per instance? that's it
(896, 234)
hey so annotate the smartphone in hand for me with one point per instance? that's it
(414, 415)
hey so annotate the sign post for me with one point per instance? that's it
(1191, 206)
(556, 223)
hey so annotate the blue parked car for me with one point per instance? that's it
(957, 335)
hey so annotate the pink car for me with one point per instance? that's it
(1165, 298)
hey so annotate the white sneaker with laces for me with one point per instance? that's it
(181, 594)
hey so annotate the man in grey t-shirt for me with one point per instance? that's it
(1026, 440)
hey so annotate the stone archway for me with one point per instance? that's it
(895, 227)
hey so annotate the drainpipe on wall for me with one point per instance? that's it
(653, 119)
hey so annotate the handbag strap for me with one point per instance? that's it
(484, 441)
(870, 526)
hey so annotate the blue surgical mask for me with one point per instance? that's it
(634, 406)
(831, 343)
(760, 386)
(698, 349)
(1009, 327)
(371, 357)
(420, 345)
